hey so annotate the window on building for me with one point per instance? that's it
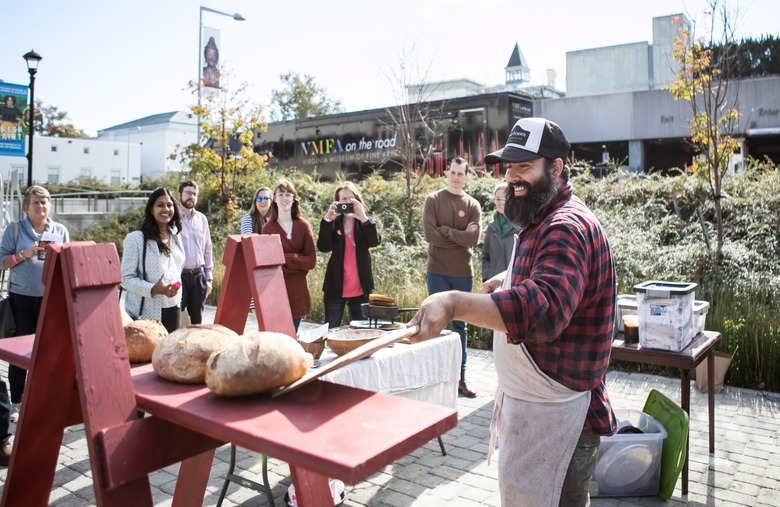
(116, 177)
(86, 151)
(116, 153)
(53, 175)
(53, 148)
(85, 172)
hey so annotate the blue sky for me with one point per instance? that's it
(106, 63)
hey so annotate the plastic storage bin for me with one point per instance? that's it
(627, 305)
(665, 312)
(629, 464)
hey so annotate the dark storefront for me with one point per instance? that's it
(354, 144)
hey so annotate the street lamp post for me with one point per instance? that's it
(237, 17)
(32, 58)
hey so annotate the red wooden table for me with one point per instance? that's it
(78, 371)
(702, 347)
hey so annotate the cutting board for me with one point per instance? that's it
(350, 357)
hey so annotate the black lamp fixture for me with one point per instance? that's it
(32, 58)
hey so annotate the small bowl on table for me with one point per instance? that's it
(314, 348)
(341, 342)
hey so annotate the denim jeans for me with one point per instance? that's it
(334, 309)
(441, 283)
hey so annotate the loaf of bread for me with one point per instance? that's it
(142, 336)
(257, 363)
(181, 356)
(380, 300)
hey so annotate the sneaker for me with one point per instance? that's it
(15, 412)
(5, 455)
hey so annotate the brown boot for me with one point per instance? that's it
(464, 390)
(5, 455)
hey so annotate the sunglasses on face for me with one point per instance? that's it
(261, 198)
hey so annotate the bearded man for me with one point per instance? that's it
(196, 277)
(553, 313)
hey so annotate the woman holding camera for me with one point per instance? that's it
(348, 233)
(300, 256)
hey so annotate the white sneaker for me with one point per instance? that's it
(15, 412)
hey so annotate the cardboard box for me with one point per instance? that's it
(665, 312)
(629, 464)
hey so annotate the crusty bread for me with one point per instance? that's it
(257, 363)
(380, 300)
(181, 356)
(142, 336)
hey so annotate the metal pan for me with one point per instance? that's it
(383, 312)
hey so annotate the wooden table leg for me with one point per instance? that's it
(311, 489)
(193, 479)
(711, 396)
(685, 401)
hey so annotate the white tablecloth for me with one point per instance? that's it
(427, 371)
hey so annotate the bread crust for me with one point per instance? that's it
(142, 337)
(257, 363)
(181, 356)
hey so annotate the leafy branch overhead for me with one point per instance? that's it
(301, 98)
(224, 156)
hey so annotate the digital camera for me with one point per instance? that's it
(345, 207)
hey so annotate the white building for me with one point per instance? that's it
(122, 154)
(159, 136)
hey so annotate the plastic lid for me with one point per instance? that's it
(655, 288)
(622, 469)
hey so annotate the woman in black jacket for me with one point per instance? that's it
(348, 233)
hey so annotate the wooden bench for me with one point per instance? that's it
(78, 371)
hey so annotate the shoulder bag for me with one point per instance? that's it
(7, 322)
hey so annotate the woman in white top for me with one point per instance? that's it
(152, 261)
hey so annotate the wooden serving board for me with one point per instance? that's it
(350, 357)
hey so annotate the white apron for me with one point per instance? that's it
(539, 422)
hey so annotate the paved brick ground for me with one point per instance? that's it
(745, 469)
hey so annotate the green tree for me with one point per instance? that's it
(301, 98)
(51, 122)
(224, 155)
(704, 83)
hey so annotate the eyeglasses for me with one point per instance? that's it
(261, 198)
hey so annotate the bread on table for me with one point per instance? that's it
(142, 336)
(380, 300)
(181, 356)
(257, 363)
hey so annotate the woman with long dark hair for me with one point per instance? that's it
(152, 262)
(300, 256)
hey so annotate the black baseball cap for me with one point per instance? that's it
(529, 139)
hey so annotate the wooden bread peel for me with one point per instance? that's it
(350, 357)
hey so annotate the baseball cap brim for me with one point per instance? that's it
(510, 154)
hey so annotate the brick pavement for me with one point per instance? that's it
(744, 471)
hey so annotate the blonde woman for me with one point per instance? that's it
(284, 219)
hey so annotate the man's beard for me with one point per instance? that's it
(188, 204)
(520, 211)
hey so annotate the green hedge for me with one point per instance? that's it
(653, 226)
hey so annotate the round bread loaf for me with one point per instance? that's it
(181, 356)
(142, 336)
(259, 362)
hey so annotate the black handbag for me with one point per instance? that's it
(7, 322)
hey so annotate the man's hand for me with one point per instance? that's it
(472, 227)
(434, 313)
(492, 285)
(209, 286)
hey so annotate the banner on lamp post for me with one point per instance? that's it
(210, 73)
(13, 127)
